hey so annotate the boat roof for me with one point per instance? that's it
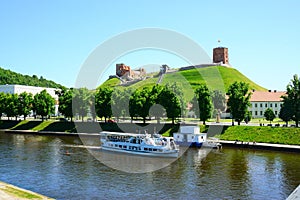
(120, 134)
(190, 133)
(126, 134)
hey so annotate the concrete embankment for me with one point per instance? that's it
(55, 133)
(266, 146)
(8, 191)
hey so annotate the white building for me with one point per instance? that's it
(18, 89)
(260, 101)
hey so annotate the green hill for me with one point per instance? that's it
(216, 77)
(10, 77)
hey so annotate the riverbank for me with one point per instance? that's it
(245, 134)
(263, 146)
(8, 191)
(262, 134)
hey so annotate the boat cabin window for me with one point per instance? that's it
(133, 141)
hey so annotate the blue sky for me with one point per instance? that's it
(53, 38)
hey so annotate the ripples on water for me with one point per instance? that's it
(40, 163)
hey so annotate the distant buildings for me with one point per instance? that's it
(220, 55)
(18, 89)
(126, 72)
(261, 100)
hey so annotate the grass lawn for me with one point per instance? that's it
(19, 193)
(275, 135)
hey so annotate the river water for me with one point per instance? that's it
(40, 164)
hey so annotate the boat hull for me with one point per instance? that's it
(190, 144)
(173, 154)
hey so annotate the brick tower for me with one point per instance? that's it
(220, 55)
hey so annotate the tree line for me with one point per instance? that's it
(147, 103)
(10, 77)
(14, 105)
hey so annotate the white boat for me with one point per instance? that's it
(191, 136)
(139, 144)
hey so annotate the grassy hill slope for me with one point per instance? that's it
(216, 77)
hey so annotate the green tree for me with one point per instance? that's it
(81, 102)
(286, 111)
(11, 105)
(93, 106)
(177, 89)
(43, 104)
(171, 100)
(103, 102)
(3, 97)
(269, 115)
(248, 117)
(65, 97)
(25, 104)
(120, 102)
(140, 103)
(203, 100)
(156, 109)
(293, 98)
(218, 99)
(10, 77)
(239, 100)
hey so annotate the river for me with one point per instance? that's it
(40, 164)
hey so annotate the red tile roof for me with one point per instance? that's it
(267, 96)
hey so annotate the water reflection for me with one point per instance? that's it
(39, 163)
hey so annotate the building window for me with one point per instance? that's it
(270, 105)
(255, 105)
(275, 112)
(255, 112)
(261, 105)
(266, 105)
(275, 105)
(261, 112)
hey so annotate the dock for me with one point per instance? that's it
(295, 195)
(265, 146)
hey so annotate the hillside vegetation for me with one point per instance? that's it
(10, 77)
(216, 78)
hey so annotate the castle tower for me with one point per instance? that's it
(220, 55)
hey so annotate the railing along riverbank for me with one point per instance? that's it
(264, 146)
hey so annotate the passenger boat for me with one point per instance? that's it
(139, 144)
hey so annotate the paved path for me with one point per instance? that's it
(5, 195)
